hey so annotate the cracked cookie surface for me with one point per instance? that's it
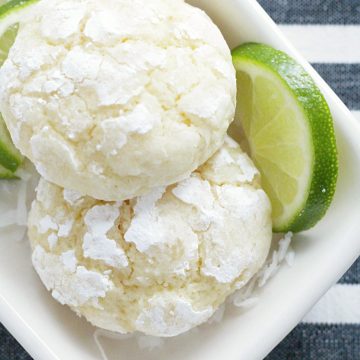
(128, 94)
(160, 263)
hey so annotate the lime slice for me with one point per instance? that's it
(6, 174)
(11, 13)
(6, 41)
(290, 134)
(10, 157)
(13, 6)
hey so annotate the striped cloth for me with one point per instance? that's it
(327, 32)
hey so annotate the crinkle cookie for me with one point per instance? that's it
(113, 98)
(162, 263)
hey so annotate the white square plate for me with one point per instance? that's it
(49, 331)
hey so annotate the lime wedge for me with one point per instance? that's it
(10, 157)
(11, 12)
(290, 135)
(6, 41)
(13, 6)
(6, 174)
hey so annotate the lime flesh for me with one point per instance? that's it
(290, 135)
(10, 157)
(11, 6)
(6, 174)
(6, 41)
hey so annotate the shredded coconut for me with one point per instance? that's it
(273, 264)
(290, 257)
(244, 298)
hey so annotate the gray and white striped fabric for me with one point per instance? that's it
(327, 32)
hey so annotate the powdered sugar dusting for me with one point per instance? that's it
(145, 229)
(47, 223)
(103, 26)
(243, 299)
(69, 260)
(69, 14)
(65, 228)
(70, 284)
(170, 316)
(71, 196)
(224, 158)
(52, 240)
(78, 64)
(116, 131)
(96, 245)
(278, 256)
(195, 191)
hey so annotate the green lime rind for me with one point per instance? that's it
(317, 113)
(10, 157)
(6, 41)
(14, 5)
(7, 174)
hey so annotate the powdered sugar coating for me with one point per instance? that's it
(96, 245)
(70, 284)
(172, 256)
(171, 315)
(130, 94)
(71, 196)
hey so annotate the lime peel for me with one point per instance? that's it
(14, 6)
(10, 15)
(296, 152)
